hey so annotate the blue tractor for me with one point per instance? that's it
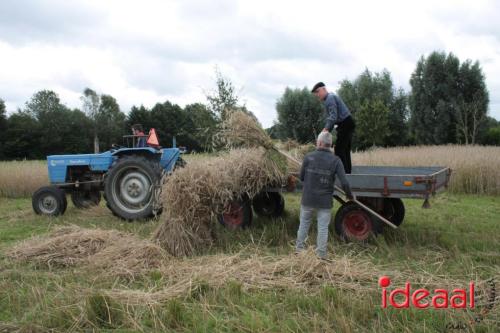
(129, 176)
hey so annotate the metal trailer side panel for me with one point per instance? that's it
(397, 182)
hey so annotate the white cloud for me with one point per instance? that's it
(143, 52)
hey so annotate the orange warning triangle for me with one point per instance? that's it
(153, 138)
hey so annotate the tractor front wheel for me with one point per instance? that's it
(50, 201)
(130, 185)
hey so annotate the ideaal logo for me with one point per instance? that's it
(458, 298)
(441, 298)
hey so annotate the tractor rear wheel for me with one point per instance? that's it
(129, 187)
(85, 199)
(50, 201)
(269, 204)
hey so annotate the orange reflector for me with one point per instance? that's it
(153, 138)
(408, 183)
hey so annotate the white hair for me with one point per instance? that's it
(325, 138)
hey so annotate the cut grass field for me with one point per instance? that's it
(458, 239)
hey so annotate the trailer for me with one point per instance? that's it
(379, 188)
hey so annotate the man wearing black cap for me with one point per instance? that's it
(338, 114)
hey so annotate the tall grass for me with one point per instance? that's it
(475, 169)
(22, 178)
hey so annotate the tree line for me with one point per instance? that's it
(45, 126)
(448, 103)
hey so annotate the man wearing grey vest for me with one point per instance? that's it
(318, 178)
(338, 114)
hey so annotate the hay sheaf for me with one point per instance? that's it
(242, 130)
(194, 195)
(66, 246)
(118, 253)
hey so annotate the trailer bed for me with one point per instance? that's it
(397, 182)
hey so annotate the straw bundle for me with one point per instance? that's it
(119, 254)
(196, 194)
(128, 258)
(66, 246)
(242, 130)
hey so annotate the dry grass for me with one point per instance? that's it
(113, 253)
(254, 271)
(22, 178)
(476, 169)
(120, 254)
(195, 195)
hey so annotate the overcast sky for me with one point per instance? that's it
(143, 52)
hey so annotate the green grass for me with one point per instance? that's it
(458, 237)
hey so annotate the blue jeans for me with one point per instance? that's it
(324, 217)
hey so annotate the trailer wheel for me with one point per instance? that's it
(85, 199)
(50, 201)
(394, 210)
(269, 204)
(238, 214)
(352, 223)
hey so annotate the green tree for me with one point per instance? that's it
(43, 104)
(51, 116)
(139, 115)
(276, 131)
(76, 132)
(372, 90)
(484, 128)
(91, 105)
(58, 129)
(300, 115)
(449, 100)
(23, 137)
(224, 98)
(201, 125)
(169, 120)
(473, 102)
(110, 122)
(3, 126)
(492, 136)
(372, 123)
